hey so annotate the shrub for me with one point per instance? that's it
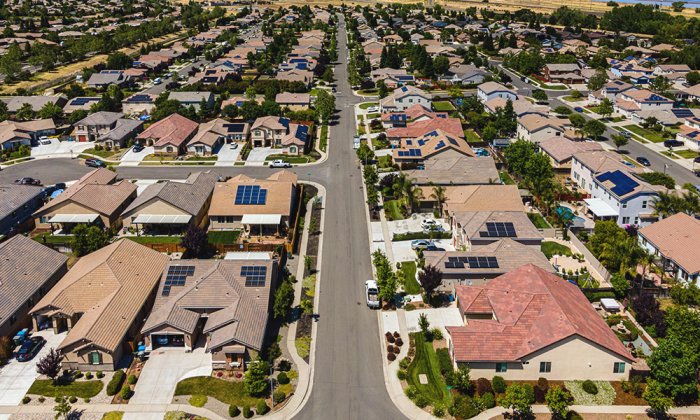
(131, 379)
(389, 348)
(498, 384)
(99, 374)
(411, 392)
(530, 392)
(438, 411)
(483, 386)
(436, 333)
(391, 357)
(541, 389)
(421, 400)
(464, 407)
(388, 334)
(282, 378)
(444, 360)
(26, 400)
(409, 307)
(278, 396)
(126, 392)
(589, 387)
(86, 400)
(73, 399)
(396, 334)
(88, 375)
(390, 339)
(115, 383)
(402, 374)
(488, 400)
(247, 412)
(284, 365)
(399, 342)
(77, 374)
(233, 410)
(261, 408)
(405, 363)
(198, 400)
(41, 399)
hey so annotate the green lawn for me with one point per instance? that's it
(291, 159)
(224, 391)
(367, 92)
(113, 415)
(155, 239)
(53, 239)
(408, 274)
(538, 221)
(223, 236)
(643, 132)
(80, 389)
(471, 136)
(323, 141)
(669, 154)
(202, 158)
(105, 154)
(373, 116)
(426, 362)
(361, 129)
(549, 249)
(686, 154)
(572, 99)
(443, 106)
(384, 161)
(379, 144)
(392, 210)
(368, 104)
(506, 178)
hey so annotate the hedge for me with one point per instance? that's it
(115, 384)
(409, 236)
(443, 356)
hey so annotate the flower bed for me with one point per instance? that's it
(605, 396)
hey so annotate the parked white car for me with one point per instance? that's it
(279, 163)
(431, 224)
(372, 294)
(373, 109)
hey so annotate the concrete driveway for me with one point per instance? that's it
(132, 158)
(16, 377)
(257, 156)
(58, 147)
(403, 252)
(164, 369)
(227, 156)
(412, 224)
(438, 318)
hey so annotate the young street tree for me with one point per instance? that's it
(62, 408)
(50, 365)
(284, 297)
(619, 141)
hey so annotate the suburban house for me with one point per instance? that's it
(413, 153)
(584, 165)
(466, 74)
(416, 113)
(674, 240)
(629, 102)
(458, 170)
(489, 90)
(139, 103)
(689, 133)
(215, 133)
(568, 73)
(102, 302)
(82, 103)
(296, 75)
(17, 204)
(405, 97)
(535, 128)
(610, 91)
(620, 196)
(14, 134)
(294, 101)
(561, 150)
(14, 103)
(521, 107)
(398, 136)
(483, 263)
(392, 78)
(170, 206)
(280, 132)
(109, 129)
(96, 198)
(169, 135)
(105, 78)
(29, 270)
(471, 198)
(479, 228)
(224, 303)
(527, 324)
(193, 99)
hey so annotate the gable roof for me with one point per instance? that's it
(188, 196)
(532, 309)
(25, 266)
(279, 187)
(430, 144)
(462, 198)
(461, 170)
(676, 237)
(174, 129)
(13, 196)
(109, 288)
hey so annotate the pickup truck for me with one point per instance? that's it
(279, 163)
(372, 294)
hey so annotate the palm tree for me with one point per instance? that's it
(439, 196)
(664, 205)
(413, 196)
(646, 259)
(691, 203)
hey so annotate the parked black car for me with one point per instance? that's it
(644, 161)
(673, 143)
(95, 163)
(137, 147)
(27, 181)
(30, 348)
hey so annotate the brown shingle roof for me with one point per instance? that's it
(188, 196)
(481, 198)
(280, 187)
(676, 237)
(108, 287)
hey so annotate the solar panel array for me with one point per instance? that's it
(623, 183)
(250, 194)
(473, 262)
(234, 128)
(254, 276)
(498, 230)
(83, 101)
(440, 145)
(682, 112)
(410, 152)
(140, 98)
(176, 276)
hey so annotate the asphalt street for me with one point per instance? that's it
(348, 380)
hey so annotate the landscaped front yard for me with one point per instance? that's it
(80, 389)
(643, 132)
(550, 249)
(443, 106)
(407, 275)
(425, 362)
(368, 105)
(392, 210)
(687, 154)
(227, 392)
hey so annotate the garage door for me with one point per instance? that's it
(168, 340)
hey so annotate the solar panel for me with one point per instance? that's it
(623, 183)
(176, 276)
(682, 112)
(498, 230)
(234, 128)
(440, 145)
(482, 262)
(254, 276)
(250, 194)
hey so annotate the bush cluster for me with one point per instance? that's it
(282, 378)
(498, 384)
(589, 387)
(483, 386)
(541, 389)
(233, 411)
(261, 408)
(115, 383)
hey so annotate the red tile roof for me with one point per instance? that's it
(174, 129)
(532, 309)
(451, 126)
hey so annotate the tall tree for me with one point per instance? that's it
(430, 278)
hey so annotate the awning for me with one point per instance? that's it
(610, 304)
(167, 219)
(74, 218)
(261, 219)
(600, 208)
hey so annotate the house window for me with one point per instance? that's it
(95, 358)
(624, 205)
(545, 367)
(644, 204)
(625, 220)
(501, 367)
(619, 367)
